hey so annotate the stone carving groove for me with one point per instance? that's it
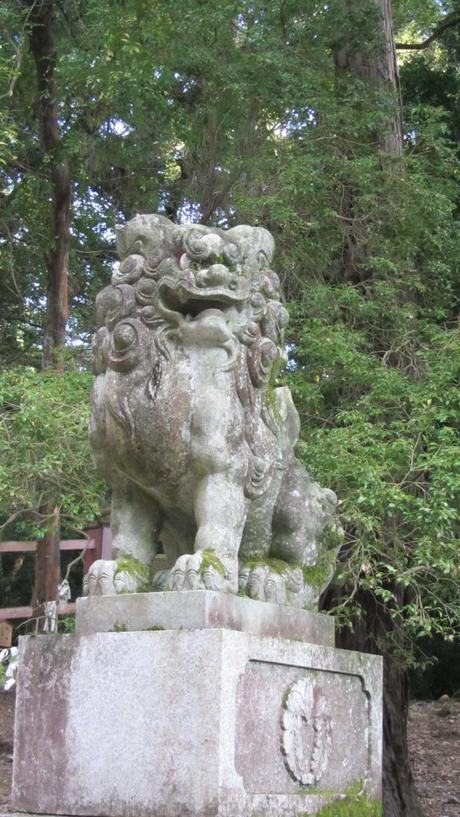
(306, 732)
(189, 426)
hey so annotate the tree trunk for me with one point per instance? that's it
(399, 794)
(47, 563)
(377, 632)
(378, 68)
(57, 257)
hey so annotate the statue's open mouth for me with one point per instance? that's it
(192, 301)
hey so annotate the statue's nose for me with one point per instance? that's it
(217, 275)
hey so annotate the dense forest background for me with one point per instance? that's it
(336, 126)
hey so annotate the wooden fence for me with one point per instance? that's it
(97, 546)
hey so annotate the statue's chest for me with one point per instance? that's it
(190, 397)
(185, 419)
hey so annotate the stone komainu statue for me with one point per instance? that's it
(188, 428)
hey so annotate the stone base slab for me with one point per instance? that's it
(200, 609)
(201, 723)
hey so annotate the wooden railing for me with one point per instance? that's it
(97, 546)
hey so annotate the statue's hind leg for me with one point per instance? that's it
(220, 513)
(294, 523)
(136, 520)
(299, 564)
(305, 533)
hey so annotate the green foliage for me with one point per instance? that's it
(45, 458)
(389, 440)
(66, 624)
(375, 373)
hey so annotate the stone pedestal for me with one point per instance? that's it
(199, 719)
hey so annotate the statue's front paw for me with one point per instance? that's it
(99, 581)
(275, 582)
(107, 577)
(204, 570)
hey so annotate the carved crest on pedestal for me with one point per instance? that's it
(306, 732)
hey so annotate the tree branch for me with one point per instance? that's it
(450, 20)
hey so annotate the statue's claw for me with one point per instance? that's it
(105, 578)
(177, 577)
(262, 583)
(204, 570)
(99, 581)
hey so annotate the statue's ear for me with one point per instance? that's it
(252, 241)
(264, 242)
(120, 238)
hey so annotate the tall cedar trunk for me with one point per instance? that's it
(377, 628)
(47, 569)
(379, 68)
(57, 256)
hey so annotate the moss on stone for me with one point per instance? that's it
(354, 804)
(319, 574)
(285, 698)
(118, 628)
(210, 559)
(331, 537)
(315, 576)
(273, 384)
(142, 573)
(274, 565)
(270, 401)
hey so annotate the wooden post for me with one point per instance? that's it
(6, 634)
(91, 555)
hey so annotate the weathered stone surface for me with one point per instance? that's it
(190, 428)
(197, 723)
(200, 609)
